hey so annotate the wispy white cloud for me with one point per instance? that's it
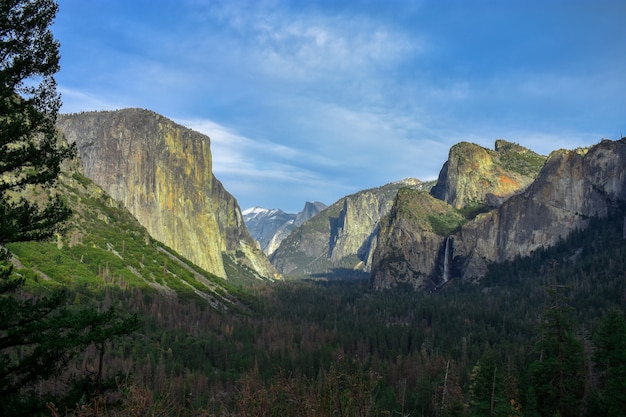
(308, 46)
(235, 154)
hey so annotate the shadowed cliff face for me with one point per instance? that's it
(342, 237)
(162, 173)
(411, 240)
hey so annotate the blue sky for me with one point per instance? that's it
(317, 99)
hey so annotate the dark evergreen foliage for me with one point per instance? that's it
(38, 335)
(610, 361)
(29, 151)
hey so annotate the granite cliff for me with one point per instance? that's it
(571, 187)
(477, 176)
(412, 242)
(162, 173)
(340, 240)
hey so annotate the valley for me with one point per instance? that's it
(375, 310)
(132, 283)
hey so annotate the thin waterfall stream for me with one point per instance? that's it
(446, 261)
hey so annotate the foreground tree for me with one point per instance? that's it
(29, 150)
(38, 337)
(487, 389)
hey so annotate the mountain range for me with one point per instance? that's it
(339, 241)
(487, 206)
(571, 187)
(270, 226)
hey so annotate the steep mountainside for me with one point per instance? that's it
(162, 172)
(572, 187)
(105, 248)
(342, 237)
(270, 226)
(476, 176)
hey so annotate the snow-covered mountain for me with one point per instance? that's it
(270, 226)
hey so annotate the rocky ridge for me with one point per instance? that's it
(475, 176)
(270, 226)
(571, 187)
(412, 239)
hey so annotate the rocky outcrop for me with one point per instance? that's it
(572, 187)
(342, 237)
(162, 173)
(310, 209)
(263, 224)
(476, 176)
(412, 248)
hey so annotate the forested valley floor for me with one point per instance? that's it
(538, 336)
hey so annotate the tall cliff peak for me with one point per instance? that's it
(477, 176)
(162, 173)
(311, 208)
(412, 242)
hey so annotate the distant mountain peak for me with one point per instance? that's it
(270, 226)
(261, 211)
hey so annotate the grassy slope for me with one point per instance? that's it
(104, 246)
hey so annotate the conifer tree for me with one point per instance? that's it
(487, 396)
(29, 151)
(558, 374)
(610, 360)
(38, 337)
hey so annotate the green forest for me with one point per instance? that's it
(540, 336)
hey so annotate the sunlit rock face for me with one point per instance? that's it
(474, 175)
(572, 186)
(162, 172)
(342, 237)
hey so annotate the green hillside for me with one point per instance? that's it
(104, 247)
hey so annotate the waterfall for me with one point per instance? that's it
(446, 261)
